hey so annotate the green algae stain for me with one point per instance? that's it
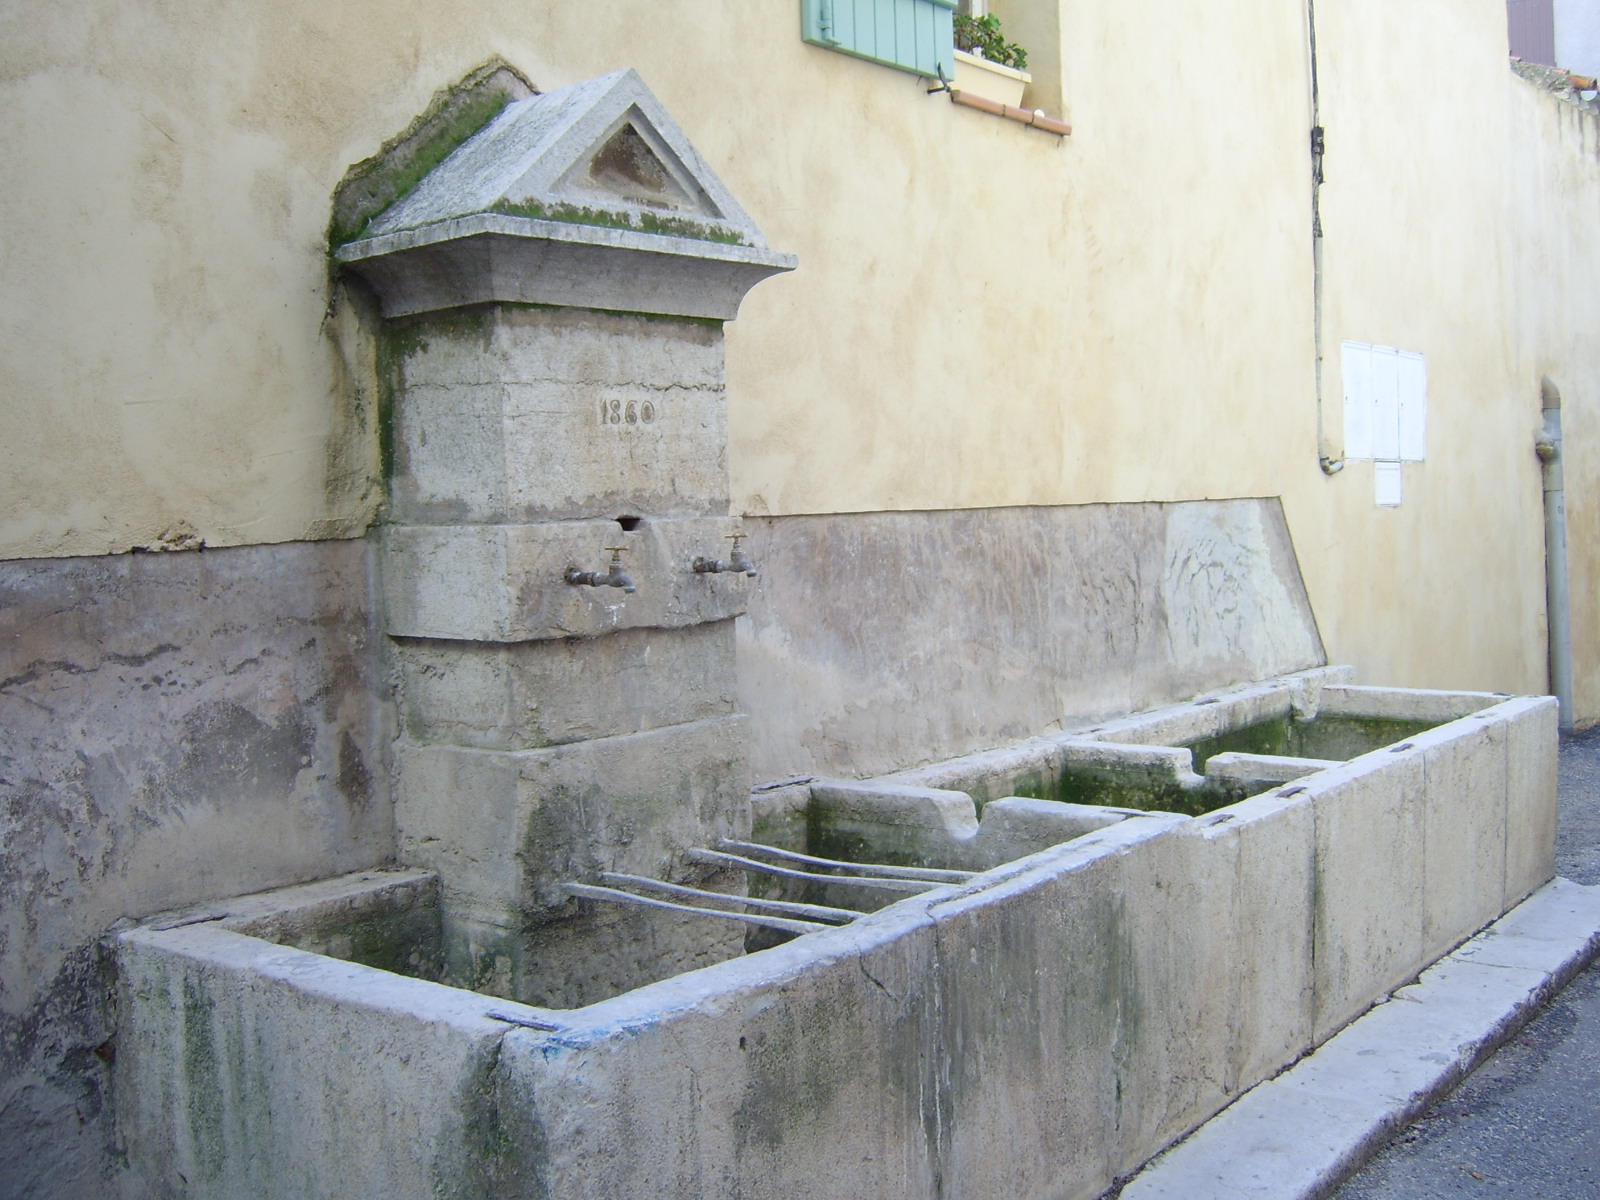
(662, 226)
(202, 1062)
(1334, 737)
(1113, 790)
(396, 342)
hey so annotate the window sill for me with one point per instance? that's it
(1035, 118)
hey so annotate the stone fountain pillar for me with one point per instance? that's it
(554, 294)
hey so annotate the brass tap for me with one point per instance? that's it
(614, 577)
(737, 562)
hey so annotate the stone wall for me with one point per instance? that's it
(177, 727)
(877, 641)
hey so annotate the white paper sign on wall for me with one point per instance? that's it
(1388, 483)
(1385, 411)
(1413, 404)
(1358, 415)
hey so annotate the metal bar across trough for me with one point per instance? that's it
(932, 874)
(819, 912)
(591, 892)
(717, 858)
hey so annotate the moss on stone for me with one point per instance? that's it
(396, 341)
(1336, 737)
(405, 944)
(454, 115)
(1105, 789)
(662, 226)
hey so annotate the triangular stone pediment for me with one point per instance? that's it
(602, 152)
(633, 167)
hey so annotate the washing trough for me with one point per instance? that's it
(1078, 972)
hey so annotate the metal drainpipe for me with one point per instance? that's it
(1555, 551)
(1329, 464)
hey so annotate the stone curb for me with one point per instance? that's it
(1299, 1135)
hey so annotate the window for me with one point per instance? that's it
(1531, 25)
(919, 36)
(912, 35)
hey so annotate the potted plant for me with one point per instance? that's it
(986, 64)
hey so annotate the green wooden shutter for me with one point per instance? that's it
(913, 35)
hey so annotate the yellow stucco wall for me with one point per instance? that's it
(983, 315)
(1555, 313)
(1447, 589)
(987, 316)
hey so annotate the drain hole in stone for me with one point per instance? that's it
(629, 524)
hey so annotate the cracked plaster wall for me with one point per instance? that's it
(178, 727)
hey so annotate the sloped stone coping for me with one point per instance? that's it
(499, 258)
(590, 196)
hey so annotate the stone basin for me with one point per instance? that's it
(1106, 981)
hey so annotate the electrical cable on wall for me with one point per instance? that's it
(1329, 464)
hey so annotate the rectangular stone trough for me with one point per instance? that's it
(1109, 979)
